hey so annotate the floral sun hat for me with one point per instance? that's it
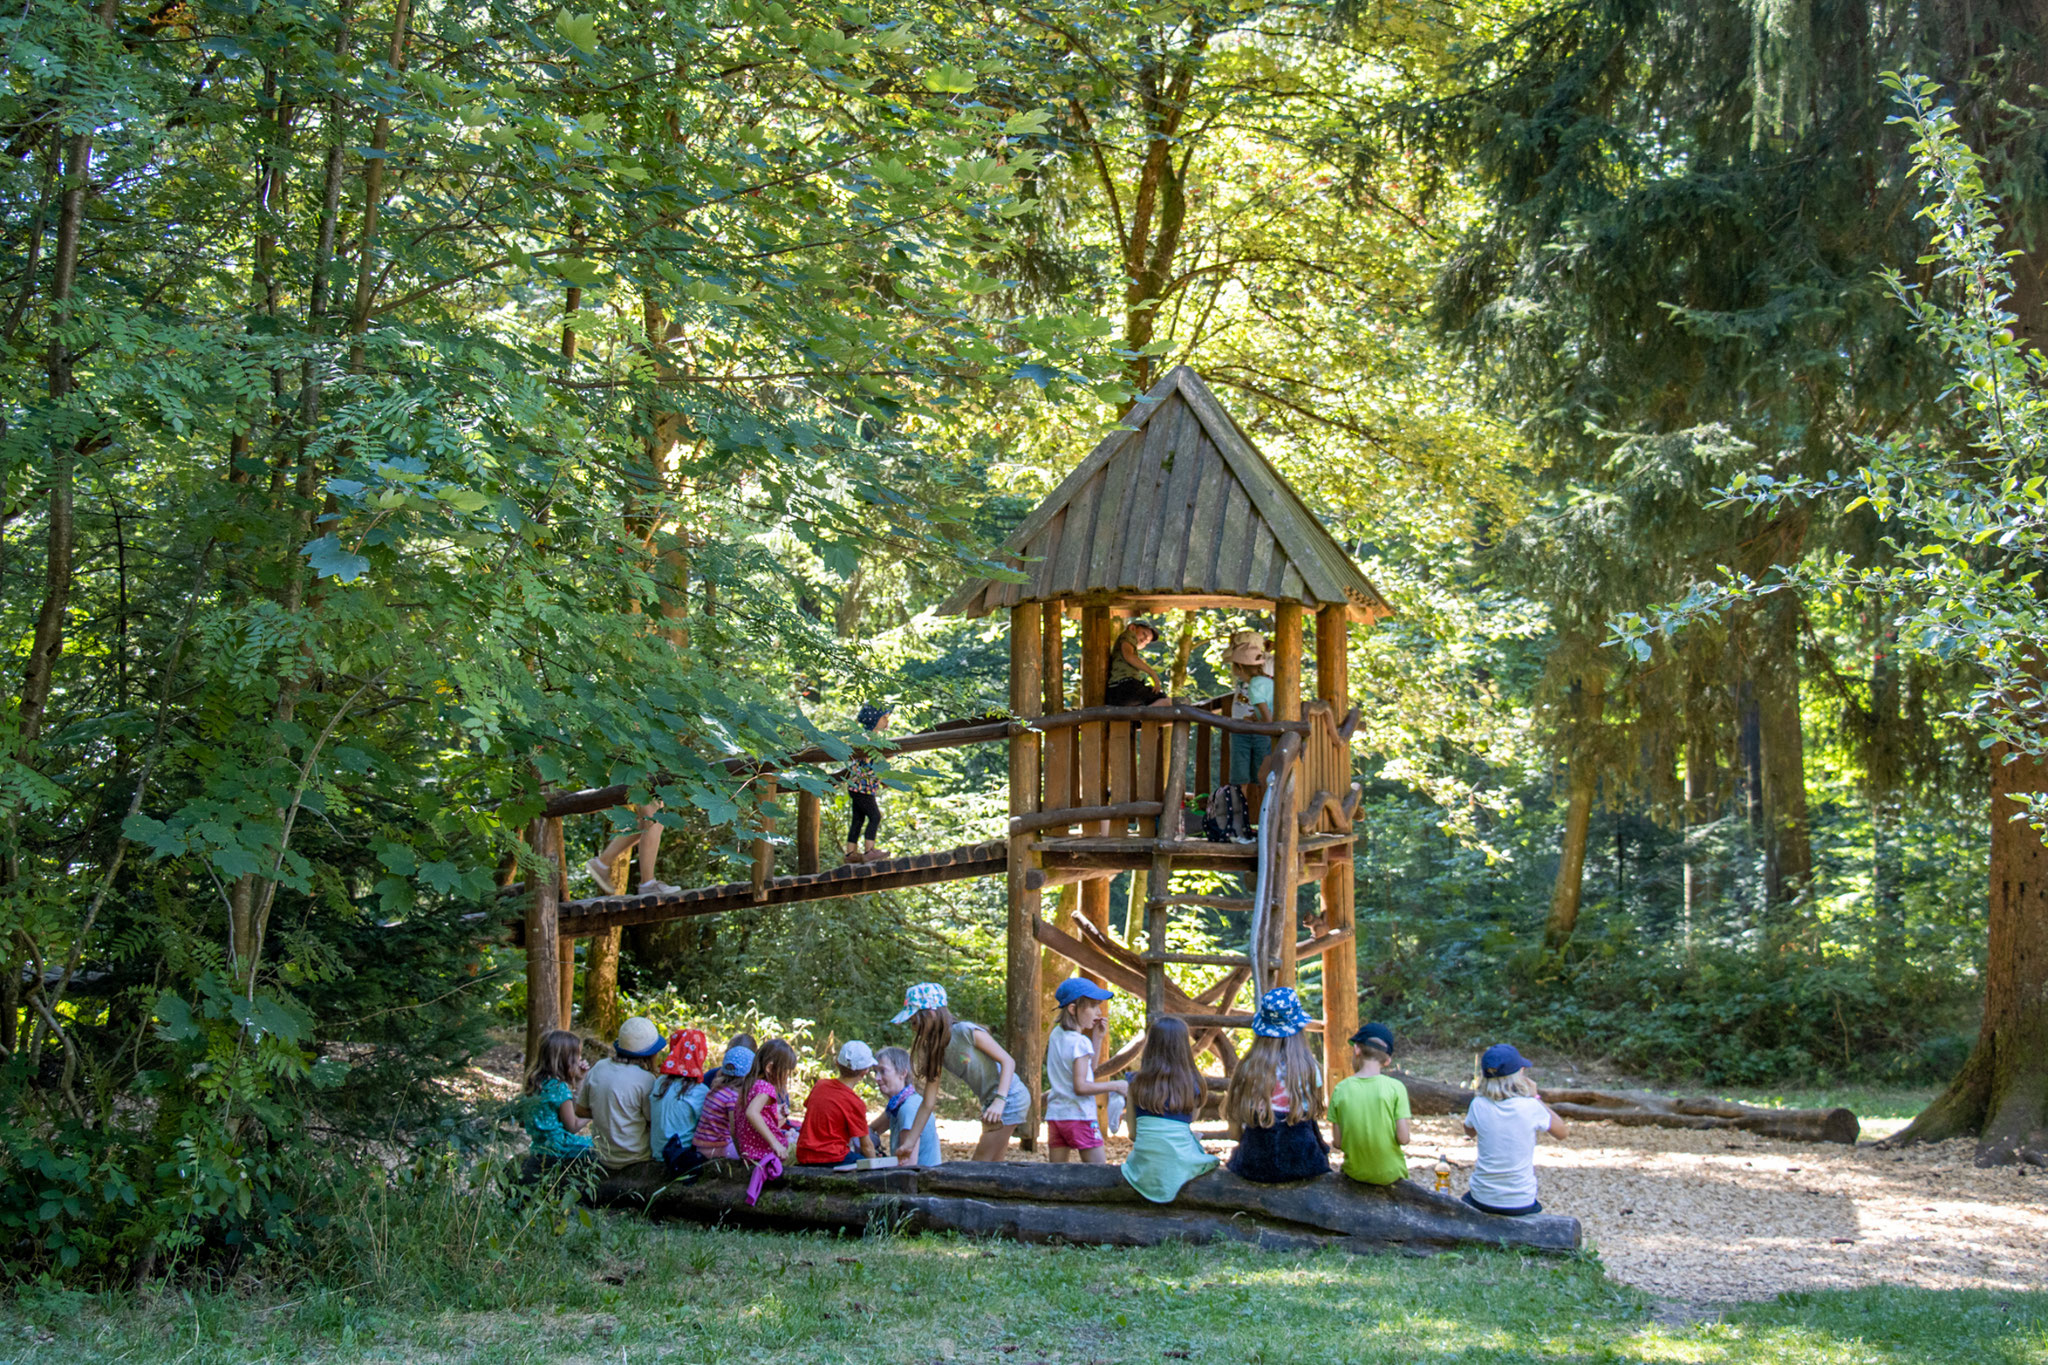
(1280, 1014)
(925, 995)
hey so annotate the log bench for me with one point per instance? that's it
(1085, 1205)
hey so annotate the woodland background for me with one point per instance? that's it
(405, 408)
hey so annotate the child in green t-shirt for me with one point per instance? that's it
(1369, 1111)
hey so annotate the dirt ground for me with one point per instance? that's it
(1707, 1217)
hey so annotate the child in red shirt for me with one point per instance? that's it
(835, 1116)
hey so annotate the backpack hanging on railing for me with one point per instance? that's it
(1226, 820)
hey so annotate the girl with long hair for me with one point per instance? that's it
(1167, 1093)
(1276, 1097)
(941, 1044)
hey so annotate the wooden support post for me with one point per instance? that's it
(810, 820)
(543, 994)
(1022, 982)
(1052, 661)
(1172, 791)
(1098, 632)
(764, 852)
(1340, 887)
(1287, 652)
(597, 963)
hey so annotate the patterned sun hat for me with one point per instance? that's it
(925, 995)
(1280, 1014)
(688, 1049)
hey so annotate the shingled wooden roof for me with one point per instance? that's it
(1178, 509)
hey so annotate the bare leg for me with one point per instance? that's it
(995, 1142)
(1056, 1155)
(648, 836)
(1095, 1156)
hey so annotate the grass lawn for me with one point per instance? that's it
(620, 1290)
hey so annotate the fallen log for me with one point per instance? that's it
(1640, 1109)
(1085, 1205)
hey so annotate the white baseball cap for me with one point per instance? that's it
(856, 1056)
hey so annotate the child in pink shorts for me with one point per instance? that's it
(1070, 1084)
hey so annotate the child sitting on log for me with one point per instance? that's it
(940, 1044)
(1276, 1097)
(713, 1137)
(764, 1129)
(677, 1100)
(1166, 1093)
(1133, 681)
(547, 1109)
(1071, 1087)
(900, 1106)
(1507, 1116)
(614, 1093)
(1369, 1111)
(835, 1127)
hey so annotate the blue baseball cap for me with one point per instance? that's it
(1080, 988)
(1501, 1060)
(1375, 1033)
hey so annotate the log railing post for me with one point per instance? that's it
(810, 819)
(764, 851)
(1160, 881)
(543, 993)
(1340, 886)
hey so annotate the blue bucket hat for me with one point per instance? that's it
(1280, 1014)
(925, 995)
(873, 714)
(1501, 1060)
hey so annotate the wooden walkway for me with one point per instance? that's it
(579, 918)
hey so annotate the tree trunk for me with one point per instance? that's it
(1699, 815)
(2001, 1095)
(1788, 844)
(602, 1014)
(1578, 817)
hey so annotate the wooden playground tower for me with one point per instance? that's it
(1176, 510)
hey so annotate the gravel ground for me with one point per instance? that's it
(1707, 1217)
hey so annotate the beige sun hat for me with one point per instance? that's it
(1250, 649)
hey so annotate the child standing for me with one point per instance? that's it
(677, 1100)
(1133, 681)
(1071, 1087)
(613, 1095)
(764, 1129)
(713, 1137)
(864, 792)
(939, 1044)
(1166, 1092)
(1251, 668)
(547, 1110)
(1369, 1111)
(900, 1105)
(1507, 1116)
(1276, 1097)
(835, 1116)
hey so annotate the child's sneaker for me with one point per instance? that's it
(658, 889)
(602, 875)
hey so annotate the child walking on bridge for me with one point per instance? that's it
(864, 791)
